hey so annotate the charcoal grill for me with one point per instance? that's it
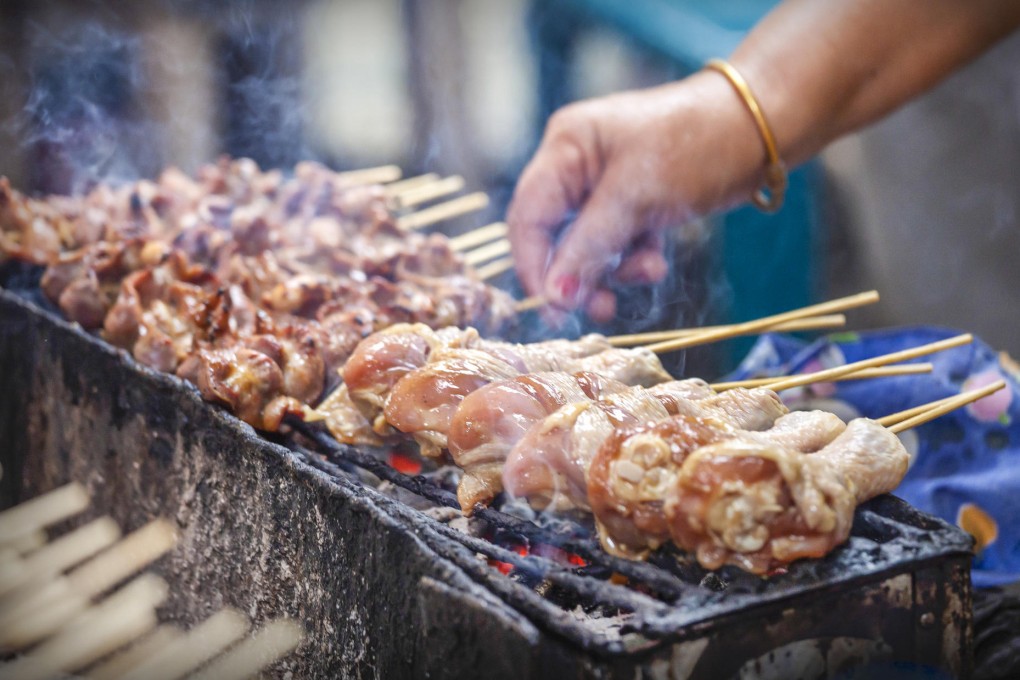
(391, 583)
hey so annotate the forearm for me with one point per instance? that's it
(821, 69)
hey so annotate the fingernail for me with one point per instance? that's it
(567, 287)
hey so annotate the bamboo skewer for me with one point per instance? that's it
(27, 543)
(809, 324)
(529, 303)
(899, 416)
(61, 554)
(944, 406)
(379, 175)
(124, 616)
(271, 643)
(487, 252)
(864, 374)
(28, 616)
(429, 192)
(444, 211)
(136, 654)
(182, 655)
(891, 358)
(477, 237)
(410, 183)
(494, 269)
(54, 619)
(748, 327)
(42, 511)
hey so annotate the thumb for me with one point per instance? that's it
(590, 247)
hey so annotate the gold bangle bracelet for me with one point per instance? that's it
(768, 198)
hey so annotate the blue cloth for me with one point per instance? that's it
(966, 464)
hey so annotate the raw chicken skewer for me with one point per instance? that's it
(423, 402)
(379, 361)
(756, 500)
(547, 463)
(491, 420)
(550, 464)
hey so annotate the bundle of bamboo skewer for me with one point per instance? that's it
(62, 610)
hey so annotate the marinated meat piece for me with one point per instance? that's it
(492, 419)
(633, 470)
(746, 409)
(636, 366)
(382, 359)
(422, 403)
(85, 283)
(29, 230)
(243, 380)
(549, 464)
(345, 421)
(297, 351)
(760, 505)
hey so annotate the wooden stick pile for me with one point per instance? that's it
(63, 610)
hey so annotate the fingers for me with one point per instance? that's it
(642, 267)
(551, 188)
(591, 246)
(601, 305)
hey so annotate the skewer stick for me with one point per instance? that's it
(494, 269)
(429, 192)
(948, 405)
(183, 655)
(865, 374)
(809, 324)
(487, 252)
(899, 416)
(410, 183)
(477, 237)
(136, 654)
(28, 542)
(311, 415)
(529, 303)
(748, 327)
(131, 554)
(126, 615)
(61, 554)
(379, 175)
(28, 616)
(265, 647)
(444, 211)
(42, 511)
(891, 358)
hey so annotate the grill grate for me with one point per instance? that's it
(665, 596)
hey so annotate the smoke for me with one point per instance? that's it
(80, 124)
(113, 97)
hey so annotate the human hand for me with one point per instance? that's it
(627, 166)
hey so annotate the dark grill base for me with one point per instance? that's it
(387, 592)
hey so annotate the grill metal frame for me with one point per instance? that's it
(387, 591)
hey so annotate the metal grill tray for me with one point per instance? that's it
(386, 590)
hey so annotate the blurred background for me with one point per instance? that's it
(924, 206)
